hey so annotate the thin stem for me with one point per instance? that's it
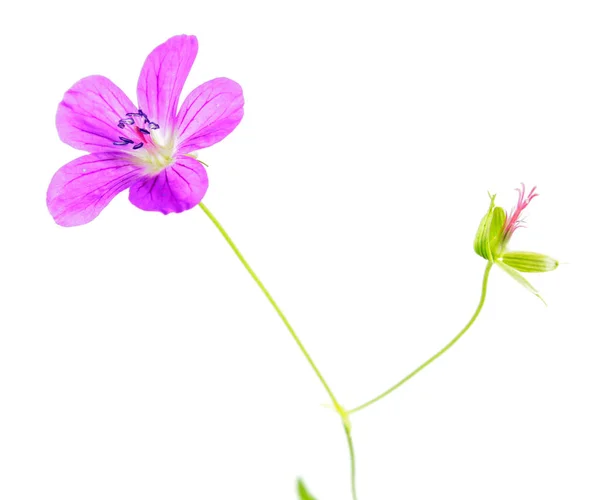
(352, 460)
(273, 303)
(486, 275)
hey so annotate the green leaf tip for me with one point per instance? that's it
(303, 493)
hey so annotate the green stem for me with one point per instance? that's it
(338, 408)
(352, 460)
(486, 275)
(272, 301)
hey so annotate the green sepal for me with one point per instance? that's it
(482, 239)
(303, 493)
(529, 262)
(520, 279)
(496, 229)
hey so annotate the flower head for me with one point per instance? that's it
(145, 148)
(494, 234)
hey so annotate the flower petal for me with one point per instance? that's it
(178, 187)
(163, 75)
(82, 188)
(209, 114)
(89, 113)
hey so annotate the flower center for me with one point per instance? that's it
(153, 150)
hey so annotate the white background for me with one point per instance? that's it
(139, 361)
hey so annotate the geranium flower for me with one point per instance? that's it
(146, 148)
(494, 234)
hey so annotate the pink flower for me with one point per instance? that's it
(145, 148)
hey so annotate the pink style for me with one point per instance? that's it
(513, 221)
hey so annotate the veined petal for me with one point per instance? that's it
(176, 188)
(82, 188)
(163, 75)
(209, 114)
(89, 113)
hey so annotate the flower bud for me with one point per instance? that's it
(494, 233)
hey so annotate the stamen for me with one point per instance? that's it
(124, 141)
(134, 119)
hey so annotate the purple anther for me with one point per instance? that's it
(138, 145)
(126, 140)
(128, 121)
(121, 125)
(144, 131)
(142, 114)
(153, 126)
(120, 143)
(131, 114)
